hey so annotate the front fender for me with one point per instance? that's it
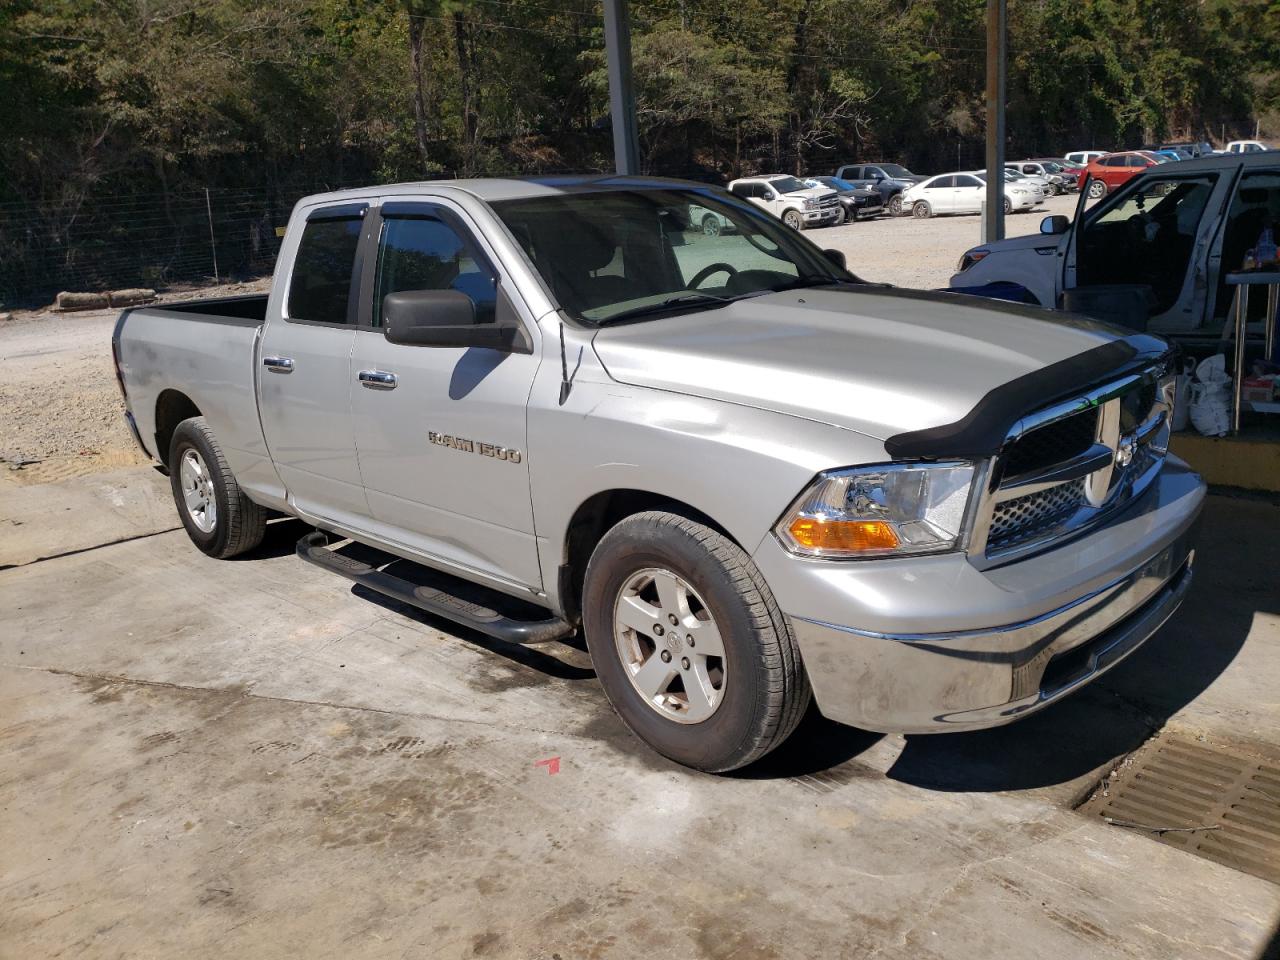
(739, 465)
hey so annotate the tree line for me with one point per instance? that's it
(153, 99)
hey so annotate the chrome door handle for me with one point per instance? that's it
(378, 379)
(278, 364)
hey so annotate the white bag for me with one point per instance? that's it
(1210, 405)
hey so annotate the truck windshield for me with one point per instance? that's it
(642, 253)
(788, 185)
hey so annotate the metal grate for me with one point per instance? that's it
(1052, 444)
(1024, 518)
(1214, 802)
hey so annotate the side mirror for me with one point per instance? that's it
(836, 257)
(442, 318)
(1055, 225)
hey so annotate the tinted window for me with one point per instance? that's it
(321, 284)
(787, 185)
(967, 182)
(1136, 161)
(741, 189)
(941, 183)
(424, 253)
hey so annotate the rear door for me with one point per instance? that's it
(939, 194)
(441, 430)
(304, 374)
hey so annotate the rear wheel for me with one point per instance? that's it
(793, 220)
(921, 210)
(217, 515)
(711, 225)
(689, 644)
(1097, 190)
(895, 205)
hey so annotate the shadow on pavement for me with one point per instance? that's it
(1236, 560)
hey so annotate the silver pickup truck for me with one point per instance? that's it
(747, 477)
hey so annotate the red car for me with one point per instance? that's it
(1112, 169)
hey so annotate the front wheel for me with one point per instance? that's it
(1008, 206)
(217, 515)
(895, 205)
(689, 644)
(841, 217)
(711, 225)
(793, 220)
(921, 210)
(1097, 190)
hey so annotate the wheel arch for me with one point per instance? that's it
(596, 516)
(172, 407)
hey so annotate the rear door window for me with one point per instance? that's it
(323, 268)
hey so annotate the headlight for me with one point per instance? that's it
(971, 257)
(810, 203)
(886, 510)
(1021, 191)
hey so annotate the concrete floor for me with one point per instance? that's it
(251, 758)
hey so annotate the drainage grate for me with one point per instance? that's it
(1176, 785)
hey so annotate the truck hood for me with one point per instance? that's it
(878, 361)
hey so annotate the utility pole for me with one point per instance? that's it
(993, 217)
(622, 101)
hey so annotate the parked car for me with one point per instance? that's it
(1075, 171)
(1172, 233)
(856, 202)
(950, 193)
(711, 222)
(404, 385)
(1084, 156)
(1110, 171)
(1052, 170)
(1194, 148)
(889, 178)
(1038, 187)
(1246, 146)
(788, 199)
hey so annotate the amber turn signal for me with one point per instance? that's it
(845, 536)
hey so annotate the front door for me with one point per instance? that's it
(441, 430)
(968, 194)
(304, 372)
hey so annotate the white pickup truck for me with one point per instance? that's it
(747, 477)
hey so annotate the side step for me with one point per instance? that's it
(314, 549)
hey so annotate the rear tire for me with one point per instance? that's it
(747, 688)
(921, 210)
(711, 225)
(217, 515)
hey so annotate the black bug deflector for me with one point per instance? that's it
(314, 548)
(983, 429)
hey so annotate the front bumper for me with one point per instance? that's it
(829, 215)
(932, 644)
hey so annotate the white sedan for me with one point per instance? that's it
(962, 193)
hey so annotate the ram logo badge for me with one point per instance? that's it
(475, 446)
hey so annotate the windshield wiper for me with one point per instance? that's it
(683, 300)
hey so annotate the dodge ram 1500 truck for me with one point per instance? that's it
(749, 478)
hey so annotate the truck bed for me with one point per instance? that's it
(195, 358)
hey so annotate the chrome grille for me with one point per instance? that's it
(1066, 467)
(1025, 518)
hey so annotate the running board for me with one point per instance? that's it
(314, 549)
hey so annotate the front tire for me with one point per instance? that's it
(217, 515)
(711, 225)
(921, 210)
(1097, 190)
(793, 220)
(1008, 206)
(689, 644)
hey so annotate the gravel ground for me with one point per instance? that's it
(60, 409)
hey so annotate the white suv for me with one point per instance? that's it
(788, 199)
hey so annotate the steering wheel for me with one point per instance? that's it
(710, 269)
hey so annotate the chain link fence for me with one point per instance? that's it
(144, 240)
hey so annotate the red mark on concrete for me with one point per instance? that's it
(551, 763)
